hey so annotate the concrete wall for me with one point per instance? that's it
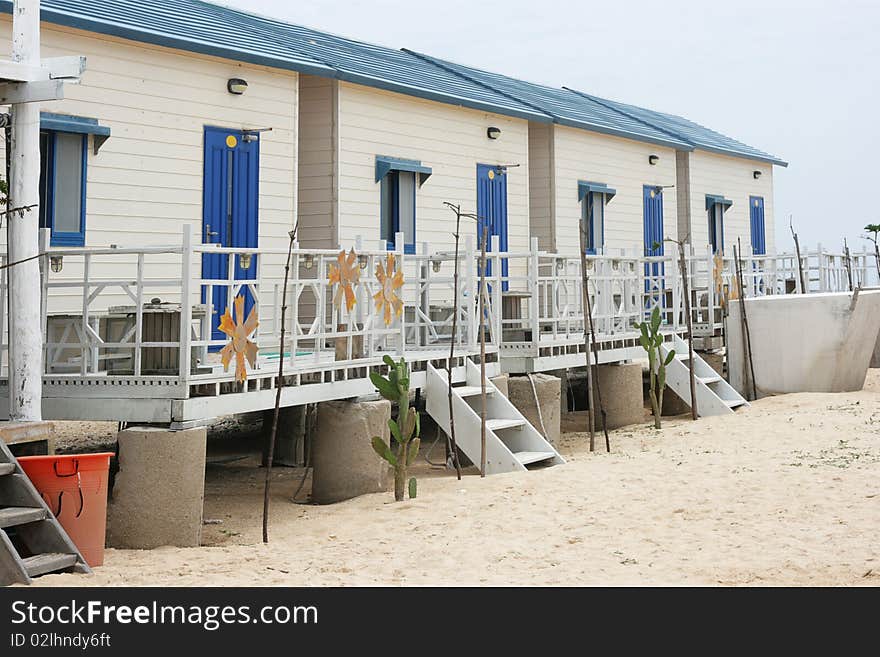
(621, 164)
(731, 177)
(804, 343)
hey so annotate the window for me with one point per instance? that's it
(398, 208)
(716, 227)
(63, 186)
(715, 208)
(593, 214)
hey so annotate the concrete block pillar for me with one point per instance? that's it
(159, 491)
(622, 396)
(548, 388)
(875, 357)
(290, 447)
(343, 461)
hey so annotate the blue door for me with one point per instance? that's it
(492, 210)
(229, 210)
(756, 213)
(653, 219)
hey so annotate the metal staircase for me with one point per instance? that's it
(512, 443)
(715, 396)
(32, 541)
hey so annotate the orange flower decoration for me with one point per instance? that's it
(391, 280)
(239, 344)
(346, 274)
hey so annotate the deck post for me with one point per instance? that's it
(398, 252)
(470, 299)
(534, 290)
(186, 304)
(423, 292)
(25, 335)
(497, 303)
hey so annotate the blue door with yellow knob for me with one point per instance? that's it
(492, 211)
(230, 212)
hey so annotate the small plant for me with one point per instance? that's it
(651, 339)
(405, 430)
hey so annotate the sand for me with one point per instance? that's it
(786, 492)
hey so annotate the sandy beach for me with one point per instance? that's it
(786, 492)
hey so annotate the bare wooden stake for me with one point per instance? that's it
(278, 386)
(848, 263)
(797, 249)
(585, 299)
(682, 266)
(747, 344)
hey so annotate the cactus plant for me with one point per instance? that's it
(405, 429)
(651, 339)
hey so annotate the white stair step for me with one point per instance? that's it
(497, 425)
(470, 391)
(733, 403)
(49, 562)
(533, 457)
(708, 379)
(6, 468)
(20, 515)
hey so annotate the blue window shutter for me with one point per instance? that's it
(756, 216)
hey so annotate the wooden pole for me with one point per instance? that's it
(278, 385)
(747, 345)
(849, 274)
(453, 446)
(482, 309)
(585, 296)
(797, 249)
(682, 265)
(25, 334)
(595, 349)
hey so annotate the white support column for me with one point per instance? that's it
(25, 343)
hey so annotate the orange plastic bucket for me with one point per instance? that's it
(75, 488)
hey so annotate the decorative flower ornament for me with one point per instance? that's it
(239, 343)
(346, 273)
(386, 298)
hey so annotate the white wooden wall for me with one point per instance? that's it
(146, 181)
(731, 177)
(451, 140)
(621, 164)
(541, 201)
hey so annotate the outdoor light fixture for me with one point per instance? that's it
(308, 260)
(362, 261)
(615, 265)
(244, 260)
(756, 174)
(435, 265)
(653, 159)
(236, 86)
(56, 262)
(493, 132)
(560, 265)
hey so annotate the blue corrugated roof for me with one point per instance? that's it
(211, 29)
(221, 31)
(696, 134)
(566, 108)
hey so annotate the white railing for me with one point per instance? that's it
(148, 314)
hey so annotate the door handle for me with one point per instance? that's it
(209, 233)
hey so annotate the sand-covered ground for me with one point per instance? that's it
(786, 492)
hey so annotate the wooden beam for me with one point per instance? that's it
(13, 93)
(18, 72)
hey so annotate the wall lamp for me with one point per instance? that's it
(493, 132)
(236, 86)
(653, 159)
(56, 262)
(756, 174)
(363, 261)
(244, 260)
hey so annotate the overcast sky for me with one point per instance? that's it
(798, 79)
